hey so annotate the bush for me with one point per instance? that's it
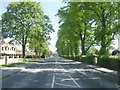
(3, 54)
(103, 61)
(87, 59)
(43, 56)
(108, 62)
(29, 56)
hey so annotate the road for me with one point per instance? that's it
(57, 72)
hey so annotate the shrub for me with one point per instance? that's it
(29, 56)
(43, 56)
(3, 54)
(87, 59)
(108, 62)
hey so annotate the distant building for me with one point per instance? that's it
(7, 48)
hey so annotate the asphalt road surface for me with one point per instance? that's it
(57, 72)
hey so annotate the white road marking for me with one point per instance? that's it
(53, 81)
(65, 85)
(74, 81)
(67, 74)
(70, 77)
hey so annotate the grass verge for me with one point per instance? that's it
(12, 64)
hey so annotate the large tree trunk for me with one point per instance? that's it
(76, 49)
(71, 50)
(83, 47)
(36, 53)
(103, 49)
(24, 41)
(23, 51)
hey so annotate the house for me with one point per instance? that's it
(7, 48)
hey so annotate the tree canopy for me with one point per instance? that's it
(84, 25)
(25, 22)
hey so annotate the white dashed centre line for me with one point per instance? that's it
(53, 81)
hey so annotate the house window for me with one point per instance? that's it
(2, 48)
(12, 48)
(5, 48)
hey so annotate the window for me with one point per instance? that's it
(5, 48)
(12, 48)
(2, 48)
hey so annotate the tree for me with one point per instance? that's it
(76, 17)
(39, 37)
(93, 23)
(106, 23)
(20, 18)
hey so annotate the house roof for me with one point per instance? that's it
(6, 43)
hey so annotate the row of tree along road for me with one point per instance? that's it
(26, 24)
(84, 25)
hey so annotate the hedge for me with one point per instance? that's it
(103, 61)
(110, 62)
(29, 56)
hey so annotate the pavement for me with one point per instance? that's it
(105, 70)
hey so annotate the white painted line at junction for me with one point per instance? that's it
(65, 85)
(74, 81)
(53, 81)
(70, 77)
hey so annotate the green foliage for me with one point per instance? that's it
(28, 56)
(88, 24)
(75, 29)
(3, 54)
(88, 59)
(109, 62)
(25, 21)
(106, 21)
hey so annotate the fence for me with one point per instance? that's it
(10, 59)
